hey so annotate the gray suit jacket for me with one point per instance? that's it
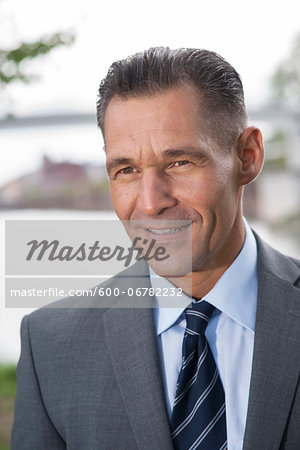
(89, 379)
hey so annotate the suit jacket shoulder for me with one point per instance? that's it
(273, 417)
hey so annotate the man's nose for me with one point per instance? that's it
(155, 195)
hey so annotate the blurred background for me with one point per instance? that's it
(52, 58)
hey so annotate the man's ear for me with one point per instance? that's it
(251, 154)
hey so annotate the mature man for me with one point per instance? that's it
(178, 148)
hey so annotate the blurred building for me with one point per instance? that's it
(59, 185)
(275, 196)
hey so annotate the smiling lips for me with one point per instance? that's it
(162, 231)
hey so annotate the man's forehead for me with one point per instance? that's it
(173, 109)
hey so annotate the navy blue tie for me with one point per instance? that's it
(198, 418)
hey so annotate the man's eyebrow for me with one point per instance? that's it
(117, 162)
(194, 152)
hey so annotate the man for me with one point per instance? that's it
(178, 148)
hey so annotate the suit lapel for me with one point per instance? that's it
(276, 361)
(131, 339)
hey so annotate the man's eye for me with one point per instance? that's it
(181, 163)
(126, 170)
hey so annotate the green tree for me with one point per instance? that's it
(12, 61)
(285, 82)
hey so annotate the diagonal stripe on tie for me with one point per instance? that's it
(209, 427)
(198, 418)
(194, 378)
(197, 404)
(197, 314)
(187, 360)
(224, 446)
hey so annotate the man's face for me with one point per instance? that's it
(164, 164)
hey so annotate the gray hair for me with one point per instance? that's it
(150, 72)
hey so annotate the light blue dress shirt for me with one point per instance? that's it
(230, 334)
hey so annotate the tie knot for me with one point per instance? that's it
(197, 317)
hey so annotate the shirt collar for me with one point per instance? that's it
(235, 293)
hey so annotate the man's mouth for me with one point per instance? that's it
(161, 231)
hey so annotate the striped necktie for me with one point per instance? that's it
(198, 418)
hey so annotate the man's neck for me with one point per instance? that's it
(198, 283)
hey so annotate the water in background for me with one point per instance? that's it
(10, 319)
